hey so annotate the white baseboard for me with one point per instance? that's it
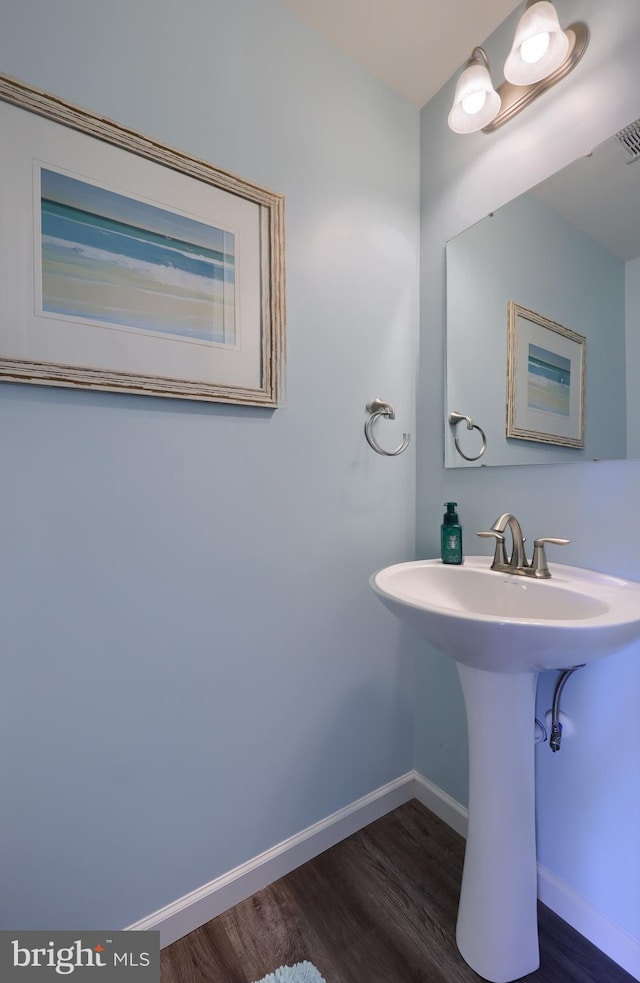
(623, 948)
(441, 804)
(206, 902)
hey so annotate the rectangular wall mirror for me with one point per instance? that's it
(567, 254)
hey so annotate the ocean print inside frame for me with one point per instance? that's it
(130, 266)
(546, 378)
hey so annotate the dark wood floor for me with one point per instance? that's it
(380, 907)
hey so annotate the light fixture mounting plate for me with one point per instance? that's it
(515, 98)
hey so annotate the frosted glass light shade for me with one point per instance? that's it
(476, 103)
(539, 47)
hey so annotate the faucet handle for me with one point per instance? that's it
(500, 555)
(539, 558)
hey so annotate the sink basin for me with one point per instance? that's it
(507, 623)
(502, 630)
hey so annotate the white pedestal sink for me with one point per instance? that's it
(502, 630)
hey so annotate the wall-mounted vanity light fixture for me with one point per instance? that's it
(542, 54)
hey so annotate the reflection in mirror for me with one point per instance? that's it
(568, 251)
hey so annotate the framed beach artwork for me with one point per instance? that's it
(546, 366)
(128, 266)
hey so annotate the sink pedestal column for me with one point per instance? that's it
(497, 931)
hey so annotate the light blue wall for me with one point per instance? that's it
(528, 253)
(194, 666)
(589, 803)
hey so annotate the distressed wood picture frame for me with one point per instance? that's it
(546, 373)
(129, 266)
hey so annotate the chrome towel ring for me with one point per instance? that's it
(454, 419)
(378, 408)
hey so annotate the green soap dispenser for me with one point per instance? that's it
(451, 535)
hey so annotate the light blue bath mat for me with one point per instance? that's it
(301, 973)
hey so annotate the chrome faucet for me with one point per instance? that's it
(517, 562)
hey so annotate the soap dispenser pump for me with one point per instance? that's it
(451, 535)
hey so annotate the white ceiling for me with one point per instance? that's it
(414, 46)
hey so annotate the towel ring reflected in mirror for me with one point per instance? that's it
(454, 419)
